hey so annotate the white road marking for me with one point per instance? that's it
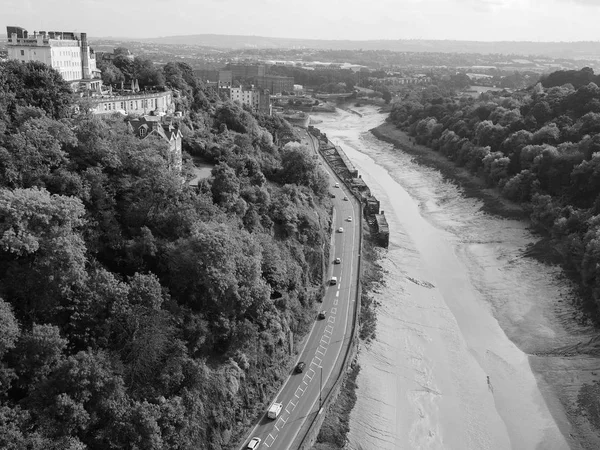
(333, 310)
(324, 349)
(327, 339)
(281, 419)
(337, 294)
(268, 444)
(329, 329)
(320, 361)
(335, 301)
(331, 319)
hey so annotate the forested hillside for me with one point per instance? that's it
(540, 147)
(137, 312)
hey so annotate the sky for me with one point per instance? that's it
(475, 20)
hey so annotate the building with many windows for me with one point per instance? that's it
(66, 52)
(247, 71)
(136, 103)
(275, 84)
(259, 100)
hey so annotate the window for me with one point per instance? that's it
(22, 52)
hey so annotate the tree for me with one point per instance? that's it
(42, 251)
(9, 328)
(111, 74)
(39, 352)
(36, 84)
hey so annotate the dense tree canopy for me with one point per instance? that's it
(133, 307)
(539, 146)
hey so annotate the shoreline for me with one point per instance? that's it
(573, 387)
(471, 185)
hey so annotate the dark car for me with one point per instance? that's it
(322, 314)
(300, 367)
(332, 195)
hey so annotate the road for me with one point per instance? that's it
(326, 344)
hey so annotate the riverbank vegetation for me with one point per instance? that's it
(136, 311)
(539, 147)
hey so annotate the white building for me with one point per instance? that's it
(257, 99)
(143, 103)
(66, 52)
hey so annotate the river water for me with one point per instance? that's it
(461, 312)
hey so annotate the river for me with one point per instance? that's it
(461, 314)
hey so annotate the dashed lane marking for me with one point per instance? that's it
(331, 319)
(324, 349)
(337, 294)
(329, 329)
(288, 409)
(320, 361)
(270, 440)
(326, 339)
(335, 301)
(280, 423)
(301, 392)
(311, 372)
(333, 310)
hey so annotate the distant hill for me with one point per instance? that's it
(571, 50)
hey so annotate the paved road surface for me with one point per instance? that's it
(327, 342)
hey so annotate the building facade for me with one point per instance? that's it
(143, 103)
(66, 52)
(222, 78)
(247, 71)
(259, 100)
(275, 84)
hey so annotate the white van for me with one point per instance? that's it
(333, 280)
(274, 410)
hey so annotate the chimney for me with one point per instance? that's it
(85, 58)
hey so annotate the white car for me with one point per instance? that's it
(337, 185)
(340, 230)
(254, 443)
(337, 261)
(349, 219)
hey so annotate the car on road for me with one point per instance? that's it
(340, 230)
(254, 443)
(300, 367)
(322, 314)
(333, 280)
(337, 185)
(337, 261)
(349, 219)
(345, 198)
(332, 195)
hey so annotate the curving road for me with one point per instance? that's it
(326, 344)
